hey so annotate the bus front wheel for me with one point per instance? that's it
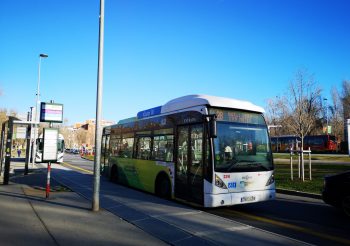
(163, 186)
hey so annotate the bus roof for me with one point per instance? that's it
(198, 100)
(190, 101)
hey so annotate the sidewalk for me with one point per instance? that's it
(128, 217)
(27, 218)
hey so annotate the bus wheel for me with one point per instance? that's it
(114, 174)
(163, 187)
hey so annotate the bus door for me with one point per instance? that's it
(189, 163)
(105, 153)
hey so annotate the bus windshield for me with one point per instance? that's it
(242, 148)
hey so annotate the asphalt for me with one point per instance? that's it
(127, 216)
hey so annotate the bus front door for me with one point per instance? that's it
(105, 154)
(189, 163)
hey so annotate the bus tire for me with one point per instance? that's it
(114, 174)
(163, 186)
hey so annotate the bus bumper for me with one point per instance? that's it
(228, 199)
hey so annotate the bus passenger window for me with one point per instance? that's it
(163, 147)
(144, 148)
(115, 145)
(125, 149)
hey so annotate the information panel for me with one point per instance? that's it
(50, 145)
(21, 133)
(51, 112)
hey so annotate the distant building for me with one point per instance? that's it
(89, 126)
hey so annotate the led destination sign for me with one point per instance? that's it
(237, 116)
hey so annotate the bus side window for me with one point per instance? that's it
(163, 147)
(144, 148)
(126, 148)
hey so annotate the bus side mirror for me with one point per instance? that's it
(212, 126)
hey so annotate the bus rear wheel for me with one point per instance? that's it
(163, 187)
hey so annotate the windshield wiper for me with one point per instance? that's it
(261, 165)
(249, 164)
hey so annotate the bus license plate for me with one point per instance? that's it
(248, 199)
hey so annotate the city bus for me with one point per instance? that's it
(204, 150)
(40, 145)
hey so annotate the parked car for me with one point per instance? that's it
(336, 191)
(75, 151)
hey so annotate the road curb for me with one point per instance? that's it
(299, 193)
(83, 157)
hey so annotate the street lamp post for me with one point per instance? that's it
(98, 130)
(37, 110)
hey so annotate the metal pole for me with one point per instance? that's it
(326, 102)
(327, 116)
(36, 130)
(36, 114)
(299, 170)
(30, 135)
(291, 163)
(98, 130)
(8, 151)
(310, 164)
(348, 132)
(302, 166)
(48, 179)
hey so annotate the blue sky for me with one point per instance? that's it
(159, 50)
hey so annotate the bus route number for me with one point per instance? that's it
(232, 185)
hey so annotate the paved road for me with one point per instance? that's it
(306, 219)
(301, 218)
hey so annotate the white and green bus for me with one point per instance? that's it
(201, 149)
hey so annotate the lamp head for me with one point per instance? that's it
(43, 55)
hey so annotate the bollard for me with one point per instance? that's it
(48, 179)
(291, 163)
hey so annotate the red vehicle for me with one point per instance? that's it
(317, 143)
(321, 143)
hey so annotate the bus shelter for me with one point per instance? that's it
(14, 144)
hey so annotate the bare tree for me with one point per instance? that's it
(81, 136)
(276, 115)
(336, 109)
(299, 110)
(3, 116)
(303, 105)
(345, 98)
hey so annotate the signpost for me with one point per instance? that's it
(50, 145)
(49, 152)
(50, 112)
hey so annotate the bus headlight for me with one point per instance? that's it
(271, 180)
(219, 183)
